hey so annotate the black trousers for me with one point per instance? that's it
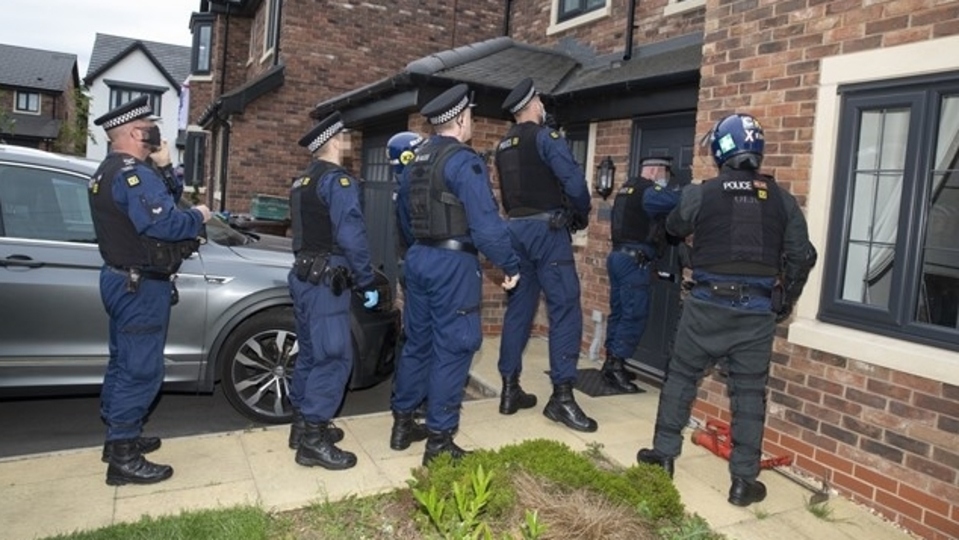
(708, 332)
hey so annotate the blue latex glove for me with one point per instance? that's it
(371, 298)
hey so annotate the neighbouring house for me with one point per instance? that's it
(41, 102)
(122, 69)
(860, 104)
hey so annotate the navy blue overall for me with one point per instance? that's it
(443, 296)
(139, 319)
(325, 358)
(629, 280)
(547, 266)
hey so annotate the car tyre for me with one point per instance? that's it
(256, 366)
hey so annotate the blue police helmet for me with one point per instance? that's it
(737, 141)
(400, 149)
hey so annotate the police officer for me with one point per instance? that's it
(400, 151)
(748, 231)
(639, 209)
(329, 242)
(143, 238)
(545, 196)
(446, 205)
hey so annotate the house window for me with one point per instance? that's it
(202, 47)
(682, 6)
(570, 9)
(892, 265)
(272, 27)
(578, 139)
(120, 95)
(27, 102)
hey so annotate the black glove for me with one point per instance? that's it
(577, 222)
(784, 311)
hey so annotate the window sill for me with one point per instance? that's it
(32, 113)
(582, 19)
(674, 8)
(913, 358)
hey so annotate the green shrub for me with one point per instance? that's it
(644, 488)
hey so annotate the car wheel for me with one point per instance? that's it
(256, 366)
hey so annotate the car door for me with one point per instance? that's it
(55, 330)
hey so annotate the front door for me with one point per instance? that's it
(667, 135)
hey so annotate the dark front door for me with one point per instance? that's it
(668, 135)
(378, 205)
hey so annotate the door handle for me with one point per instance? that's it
(21, 261)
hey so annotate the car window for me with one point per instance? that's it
(44, 204)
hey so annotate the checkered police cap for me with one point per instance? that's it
(520, 96)
(447, 105)
(128, 112)
(323, 132)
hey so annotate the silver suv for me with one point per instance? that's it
(233, 323)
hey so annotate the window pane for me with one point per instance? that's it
(203, 49)
(938, 299)
(594, 4)
(874, 215)
(570, 5)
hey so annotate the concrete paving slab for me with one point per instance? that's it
(39, 509)
(173, 502)
(54, 466)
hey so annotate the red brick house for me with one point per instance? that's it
(860, 102)
(40, 101)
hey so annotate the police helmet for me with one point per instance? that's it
(399, 149)
(737, 141)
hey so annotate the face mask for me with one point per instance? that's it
(661, 182)
(153, 137)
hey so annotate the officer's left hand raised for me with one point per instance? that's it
(509, 282)
(371, 298)
(162, 156)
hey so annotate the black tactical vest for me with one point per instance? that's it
(740, 225)
(120, 245)
(631, 224)
(527, 184)
(435, 213)
(312, 228)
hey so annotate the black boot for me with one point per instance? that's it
(513, 398)
(440, 442)
(405, 431)
(144, 444)
(743, 492)
(562, 408)
(652, 457)
(615, 375)
(298, 425)
(128, 466)
(317, 448)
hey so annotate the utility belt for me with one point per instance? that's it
(731, 290)
(637, 254)
(557, 219)
(449, 243)
(314, 268)
(135, 276)
(166, 257)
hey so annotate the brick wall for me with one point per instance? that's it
(885, 438)
(330, 48)
(530, 20)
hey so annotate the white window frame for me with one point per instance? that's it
(589, 16)
(675, 7)
(16, 102)
(270, 20)
(875, 65)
